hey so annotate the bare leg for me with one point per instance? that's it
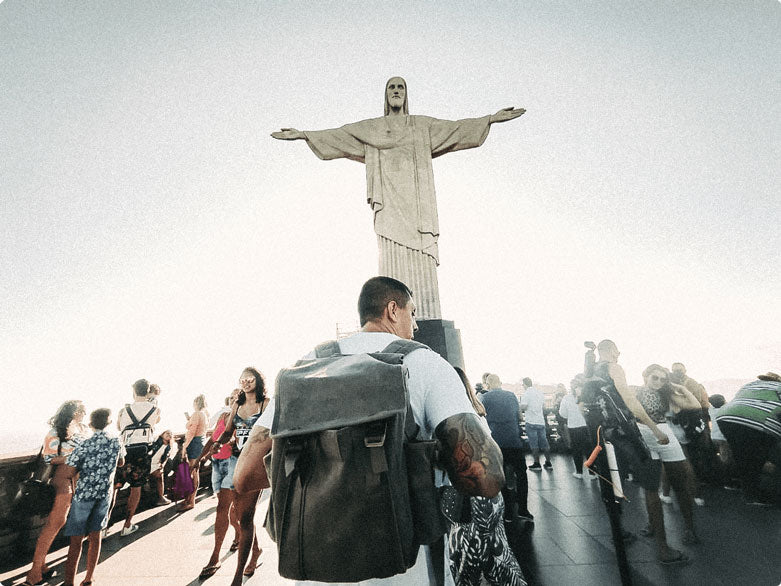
(682, 478)
(221, 521)
(93, 554)
(54, 522)
(196, 476)
(234, 520)
(132, 504)
(157, 475)
(665, 480)
(74, 554)
(246, 503)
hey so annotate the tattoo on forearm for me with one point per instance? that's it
(470, 455)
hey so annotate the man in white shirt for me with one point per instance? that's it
(532, 403)
(137, 462)
(440, 406)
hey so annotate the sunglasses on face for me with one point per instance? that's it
(656, 377)
(247, 380)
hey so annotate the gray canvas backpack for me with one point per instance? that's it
(353, 494)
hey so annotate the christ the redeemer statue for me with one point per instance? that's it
(397, 149)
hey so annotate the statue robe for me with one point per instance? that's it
(400, 189)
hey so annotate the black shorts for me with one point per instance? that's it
(137, 466)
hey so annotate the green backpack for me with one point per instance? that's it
(353, 494)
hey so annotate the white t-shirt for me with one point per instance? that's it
(571, 412)
(436, 393)
(533, 400)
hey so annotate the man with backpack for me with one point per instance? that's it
(439, 409)
(136, 423)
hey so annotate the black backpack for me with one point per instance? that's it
(353, 494)
(604, 406)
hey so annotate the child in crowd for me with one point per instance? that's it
(95, 461)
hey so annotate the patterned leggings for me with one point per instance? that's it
(480, 547)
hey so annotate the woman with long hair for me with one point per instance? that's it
(222, 485)
(249, 405)
(194, 438)
(657, 396)
(67, 431)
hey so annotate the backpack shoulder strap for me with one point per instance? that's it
(402, 347)
(327, 349)
(132, 415)
(147, 416)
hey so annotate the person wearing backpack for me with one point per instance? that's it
(621, 428)
(136, 421)
(440, 409)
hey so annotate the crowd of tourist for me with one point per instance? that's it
(682, 439)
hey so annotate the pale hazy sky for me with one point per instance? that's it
(150, 227)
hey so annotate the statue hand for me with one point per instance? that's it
(288, 134)
(506, 114)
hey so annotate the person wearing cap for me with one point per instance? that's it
(751, 422)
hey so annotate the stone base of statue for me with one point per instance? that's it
(443, 338)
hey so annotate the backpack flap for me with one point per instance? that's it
(338, 391)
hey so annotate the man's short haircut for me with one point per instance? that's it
(375, 295)
(493, 381)
(678, 364)
(606, 346)
(98, 419)
(527, 382)
(141, 387)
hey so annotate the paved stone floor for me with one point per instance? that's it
(570, 543)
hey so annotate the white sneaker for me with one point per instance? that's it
(699, 502)
(128, 530)
(577, 475)
(666, 499)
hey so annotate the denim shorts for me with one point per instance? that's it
(537, 438)
(222, 475)
(194, 448)
(87, 516)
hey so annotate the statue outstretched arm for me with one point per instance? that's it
(506, 114)
(288, 134)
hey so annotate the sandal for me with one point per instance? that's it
(235, 545)
(676, 557)
(209, 571)
(249, 571)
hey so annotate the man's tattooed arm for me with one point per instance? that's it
(471, 457)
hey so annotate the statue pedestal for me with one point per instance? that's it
(443, 338)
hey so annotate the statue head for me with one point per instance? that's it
(396, 95)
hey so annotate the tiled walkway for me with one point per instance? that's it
(569, 545)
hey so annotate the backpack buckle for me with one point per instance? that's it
(375, 438)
